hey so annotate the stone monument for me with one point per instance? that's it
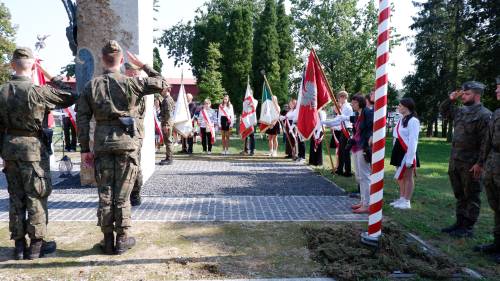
(130, 22)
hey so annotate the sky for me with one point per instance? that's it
(49, 17)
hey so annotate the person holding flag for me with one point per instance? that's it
(206, 123)
(225, 121)
(269, 116)
(182, 116)
(248, 120)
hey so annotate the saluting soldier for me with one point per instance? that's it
(470, 127)
(24, 148)
(491, 178)
(167, 115)
(132, 70)
(111, 99)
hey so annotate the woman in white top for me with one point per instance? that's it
(206, 123)
(226, 122)
(404, 152)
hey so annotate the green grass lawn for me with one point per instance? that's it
(433, 204)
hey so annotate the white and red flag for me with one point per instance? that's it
(249, 115)
(71, 114)
(39, 79)
(182, 116)
(314, 96)
(158, 128)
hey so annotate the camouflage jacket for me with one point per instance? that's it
(470, 129)
(491, 151)
(23, 107)
(167, 111)
(141, 103)
(107, 98)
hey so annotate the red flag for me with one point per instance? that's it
(314, 96)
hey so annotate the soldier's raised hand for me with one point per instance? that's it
(135, 60)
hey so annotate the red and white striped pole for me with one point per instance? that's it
(379, 124)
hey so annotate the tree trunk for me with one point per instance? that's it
(435, 127)
(429, 129)
(444, 128)
(449, 136)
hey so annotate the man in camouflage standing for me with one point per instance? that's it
(132, 70)
(24, 148)
(167, 115)
(491, 177)
(470, 127)
(111, 99)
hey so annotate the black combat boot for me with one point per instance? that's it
(124, 243)
(452, 227)
(135, 198)
(108, 244)
(487, 248)
(48, 247)
(35, 249)
(21, 249)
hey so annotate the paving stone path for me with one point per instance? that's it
(204, 189)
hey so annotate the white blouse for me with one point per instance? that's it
(210, 115)
(409, 136)
(230, 113)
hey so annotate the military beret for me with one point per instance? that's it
(132, 66)
(473, 85)
(23, 53)
(112, 47)
(498, 80)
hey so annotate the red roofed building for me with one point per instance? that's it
(189, 85)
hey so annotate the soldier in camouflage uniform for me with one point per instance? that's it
(166, 115)
(470, 127)
(111, 99)
(491, 177)
(131, 70)
(23, 146)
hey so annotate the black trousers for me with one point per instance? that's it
(344, 155)
(187, 144)
(69, 134)
(250, 143)
(302, 149)
(206, 137)
(315, 156)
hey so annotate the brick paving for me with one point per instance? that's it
(208, 189)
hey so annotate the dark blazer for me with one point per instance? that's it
(366, 126)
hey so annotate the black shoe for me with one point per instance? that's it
(288, 157)
(20, 249)
(108, 244)
(251, 153)
(461, 233)
(124, 243)
(165, 162)
(487, 248)
(135, 198)
(35, 249)
(48, 247)
(451, 228)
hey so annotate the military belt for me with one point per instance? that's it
(22, 133)
(115, 122)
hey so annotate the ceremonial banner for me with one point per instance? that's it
(248, 116)
(269, 114)
(182, 116)
(313, 97)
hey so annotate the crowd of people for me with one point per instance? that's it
(119, 131)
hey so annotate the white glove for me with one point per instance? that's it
(282, 118)
(408, 165)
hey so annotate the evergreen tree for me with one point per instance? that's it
(157, 62)
(7, 46)
(286, 53)
(266, 52)
(238, 55)
(210, 84)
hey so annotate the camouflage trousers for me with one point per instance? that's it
(492, 186)
(115, 175)
(169, 142)
(467, 191)
(29, 186)
(139, 180)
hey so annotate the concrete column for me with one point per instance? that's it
(130, 22)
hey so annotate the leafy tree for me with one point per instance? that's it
(266, 52)
(7, 45)
(178, 40)
(68, 70)
(238, 54)
(344, 37)
(211, 79)
(157, 62)
(286, 48)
